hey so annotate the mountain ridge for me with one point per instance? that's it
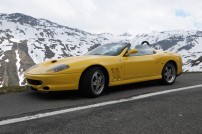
(26, 41)
(40, 40)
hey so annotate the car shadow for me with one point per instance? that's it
(132, 86)
(61, 95)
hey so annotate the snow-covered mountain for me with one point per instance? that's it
(186, 43)
(25, 41)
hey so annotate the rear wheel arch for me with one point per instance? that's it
(173, 62)
(169, 74)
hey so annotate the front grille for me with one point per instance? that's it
(34, 82)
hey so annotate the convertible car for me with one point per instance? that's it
(108, 65)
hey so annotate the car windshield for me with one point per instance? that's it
(111, 49)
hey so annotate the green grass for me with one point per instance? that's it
(12, 89)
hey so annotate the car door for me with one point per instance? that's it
(140, 66)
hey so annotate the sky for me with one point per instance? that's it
(113, 16)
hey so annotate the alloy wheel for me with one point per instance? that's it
(97, 82)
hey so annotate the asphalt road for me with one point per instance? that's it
(172, 113)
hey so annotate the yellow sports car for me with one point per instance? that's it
(108, 65)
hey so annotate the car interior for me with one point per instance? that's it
(144, 49)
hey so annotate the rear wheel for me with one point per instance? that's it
(169, 73)
(93, 82)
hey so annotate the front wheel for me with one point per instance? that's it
(93, 82)
(169, 73)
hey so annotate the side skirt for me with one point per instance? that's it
(122, 82)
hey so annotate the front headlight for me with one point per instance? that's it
(58, 68)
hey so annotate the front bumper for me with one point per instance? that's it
(57, 82)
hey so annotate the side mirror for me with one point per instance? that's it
(132, 51)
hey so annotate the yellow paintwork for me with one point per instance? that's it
(121, 69)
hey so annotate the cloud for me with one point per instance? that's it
(113, 16)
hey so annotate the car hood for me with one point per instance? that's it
(43, 67)
(76, 58)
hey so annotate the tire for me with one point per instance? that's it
(93, 82)
(169, 73)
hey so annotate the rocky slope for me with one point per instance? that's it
(25, 41)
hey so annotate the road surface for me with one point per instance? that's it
(174, 112)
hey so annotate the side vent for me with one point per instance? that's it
(116, 74)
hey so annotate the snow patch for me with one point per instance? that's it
(15, 40)
(5, 46)
(20, 71)
(1, 84)
(7, 60)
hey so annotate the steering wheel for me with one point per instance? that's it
(146, 43)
